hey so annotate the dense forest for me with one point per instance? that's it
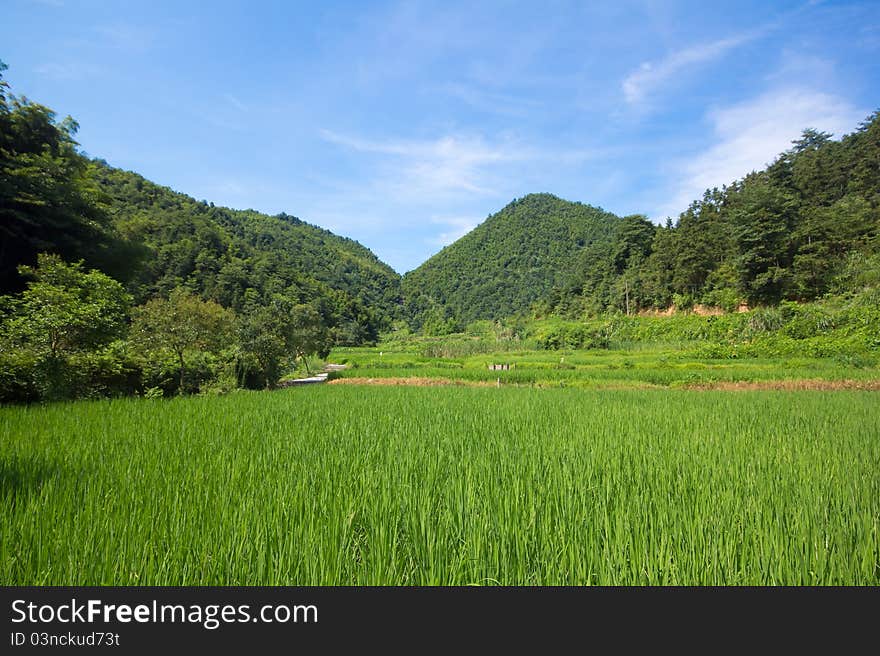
(507, 263)
(806, 226)
(238, 257)
(96, 263)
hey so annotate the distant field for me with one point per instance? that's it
(404, 485)
(604, 369)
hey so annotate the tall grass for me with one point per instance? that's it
(354, 485)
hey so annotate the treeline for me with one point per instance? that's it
(75, 333)
(845, 328)
(89, 252)
(806, 226)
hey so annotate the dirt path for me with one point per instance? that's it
(413, 382)
(724, 386)
(317, 378)
(791, 385)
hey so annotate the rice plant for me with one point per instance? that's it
(351, 485)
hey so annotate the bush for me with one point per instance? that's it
(19, 377)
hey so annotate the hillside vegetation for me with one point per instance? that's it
(805, 227)
(114, 284)
(221, 254)
(508, 262)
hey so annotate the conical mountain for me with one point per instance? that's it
(509, 261)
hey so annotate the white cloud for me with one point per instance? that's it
(125, 36)
(501, 104)
(650, 76)
(458, 227)
(751, 134)
(462, 165)
(68, 71)
(235, 102)
(447, 164)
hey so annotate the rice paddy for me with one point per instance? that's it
(354, 485)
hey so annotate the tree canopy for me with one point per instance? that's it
(509, 261)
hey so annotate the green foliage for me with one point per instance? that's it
(179, 325)
(53, 333)
(506, 263)
(797, 230)
(307, 336)
(448, 486)
(298, 288)
(227, 255)
(48, 201)
(557, 335)
(263, 345)
(65, 309)
(53, 199)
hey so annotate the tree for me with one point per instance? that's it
(764, 216)
(65, 309)
(64, 314)
(264, 340)
(48, 200)
(660, 265)
(307, 334)
(632, 242)
(181, 323)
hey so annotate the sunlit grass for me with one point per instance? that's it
(596, 368)
(356, 485)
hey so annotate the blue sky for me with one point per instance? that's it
(405, 124)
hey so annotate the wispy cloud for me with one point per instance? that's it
(449, 163)
(652, 75)
(750, 135)
(453, 164)
(235, 102)
(398, 184)
(502, 104)
(67, 71)
(124, 36)
(457, 227)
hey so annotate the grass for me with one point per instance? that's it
(357, 485)
(599, 369)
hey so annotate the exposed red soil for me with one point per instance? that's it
(789, 385)
(723, 386)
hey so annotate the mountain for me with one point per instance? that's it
(55, 200)
(806, 226)
(225, 255)
(509, 261)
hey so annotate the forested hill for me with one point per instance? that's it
(806, 226)
(508, 262)
(111, 284)
(223, 253)
(55, 200)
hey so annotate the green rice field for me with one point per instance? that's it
(603, 369)
(352, 485)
